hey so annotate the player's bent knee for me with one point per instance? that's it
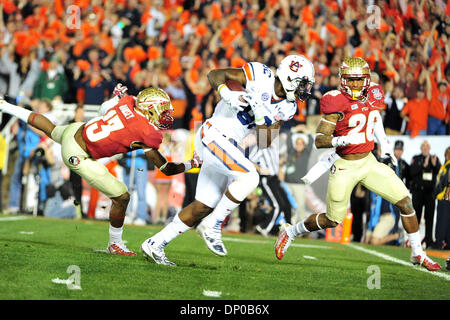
(244, 185)
(123, 199)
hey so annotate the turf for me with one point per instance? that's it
(33, 251)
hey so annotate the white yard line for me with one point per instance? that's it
(395, 260)
(12, 218)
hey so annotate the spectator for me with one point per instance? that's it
(51, 83)
(423, 173)
(360, 206)
(443, 206)
(278, 207)
(297, 158)
(416, 113)
(162, 183)
(439, 115)
(402, 169)
(23, 72)
(381, 223)
(74, 178)
(394, 124)
(27, 140)
(96, 89)
(135, 176)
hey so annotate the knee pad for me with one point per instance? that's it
(244, 185)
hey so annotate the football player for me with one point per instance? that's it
(126, 123)
(227, 176)
(349, 123)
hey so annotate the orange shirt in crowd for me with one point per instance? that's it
(417, 111)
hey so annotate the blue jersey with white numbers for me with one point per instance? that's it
(260, 83)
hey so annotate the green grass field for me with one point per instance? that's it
(34, 251)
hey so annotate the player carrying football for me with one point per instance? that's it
(126, 123)
(227, 177)
(350, 122)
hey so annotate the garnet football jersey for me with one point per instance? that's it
(118, 129)
(356, 117)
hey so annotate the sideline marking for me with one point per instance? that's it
(12, 218)
(392, 259)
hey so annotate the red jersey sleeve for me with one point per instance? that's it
(151, 136)
(332, 102)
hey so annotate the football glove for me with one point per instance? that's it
(260, 111)
(387, 153)
(346, 140)
(195, 162)
(119, 90)
(233, 98)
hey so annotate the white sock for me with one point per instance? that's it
(170, 232)
(416, 243)
(15, 111)
(115, 234)
(297, 230)
(220, 212)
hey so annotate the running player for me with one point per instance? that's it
(127, 123)
(227, 176)
(349, 124)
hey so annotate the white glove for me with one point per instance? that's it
(387, 151)
(232, 97)
(196, 161)
(259, 109)
(346, 140)
(119, 90)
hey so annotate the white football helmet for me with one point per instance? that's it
(296, 74)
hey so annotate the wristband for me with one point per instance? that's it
(223, 89)
(187, 166)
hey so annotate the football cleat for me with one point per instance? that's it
(283, 242)
(213, 238)
(156, 253)
(120, 249)
(426, 262)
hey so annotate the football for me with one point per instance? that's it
(233, 85)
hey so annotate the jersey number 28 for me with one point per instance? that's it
(363, 125)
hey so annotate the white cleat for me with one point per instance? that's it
(156, 253)
(213, 238)
(283, 242)
(119, 248)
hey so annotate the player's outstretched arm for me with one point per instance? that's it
(171, 168)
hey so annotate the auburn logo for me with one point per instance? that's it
(294, 66)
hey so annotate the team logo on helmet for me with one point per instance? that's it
(294, 66)
(155, 105)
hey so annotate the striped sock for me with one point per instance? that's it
(297, 230)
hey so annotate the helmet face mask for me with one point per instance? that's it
(155, 105)
(352, 70)
(296, 74)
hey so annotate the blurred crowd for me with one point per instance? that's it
(76, 51)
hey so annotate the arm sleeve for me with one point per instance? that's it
(108, 104)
